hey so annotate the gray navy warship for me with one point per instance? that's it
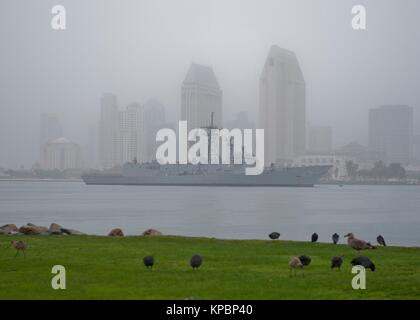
(154, 174)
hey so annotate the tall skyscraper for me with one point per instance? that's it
(121, 133)
(416, 148)
(154, 120)
(130, 144)
(92, 150)
(50, 130)
(282, 106)
(108, 130)
(200, 97)
(319, 139)
(391, 133)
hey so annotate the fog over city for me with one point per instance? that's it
(142, 49)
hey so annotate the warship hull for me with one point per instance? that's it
(286, 177)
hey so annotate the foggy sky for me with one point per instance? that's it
(142, 49)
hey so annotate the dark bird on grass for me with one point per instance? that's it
(336, 262)
(358, 244)
(196, 261)
(19, 246)
(295, 264)
(335, 238)
(314, 237)
(306, 261)
(149, 261)
(274, 235)
(364, 262)
(381, 240)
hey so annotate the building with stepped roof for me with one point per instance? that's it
(282, 111)
(200, 97)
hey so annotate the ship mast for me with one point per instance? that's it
(209, 128)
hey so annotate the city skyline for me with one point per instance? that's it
(123, 50)
(128, 134)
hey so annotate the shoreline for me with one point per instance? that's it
(343, 184)
(185, 237)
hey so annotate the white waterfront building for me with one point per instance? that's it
(282, 111)
(61, 154)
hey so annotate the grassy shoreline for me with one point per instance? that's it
(101, 267)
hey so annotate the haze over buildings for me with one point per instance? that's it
(320, 139)
(108, 130)
(143, 49)
(50, 129)
(391, 133)
(154, 120)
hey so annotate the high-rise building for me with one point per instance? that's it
(282, 106)
(61, 154)
(92, 152)
(319, 139)
(108, 130)
(154, 120)
(416, 148)
(130, 144)
(200, 97)
(50, 130)
(121, 137)
(391, 133)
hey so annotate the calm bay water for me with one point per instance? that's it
(232, 213)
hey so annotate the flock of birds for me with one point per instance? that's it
(294, 263)
(149, 261)
(336, 261)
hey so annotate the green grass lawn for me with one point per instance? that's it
(112, 268)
